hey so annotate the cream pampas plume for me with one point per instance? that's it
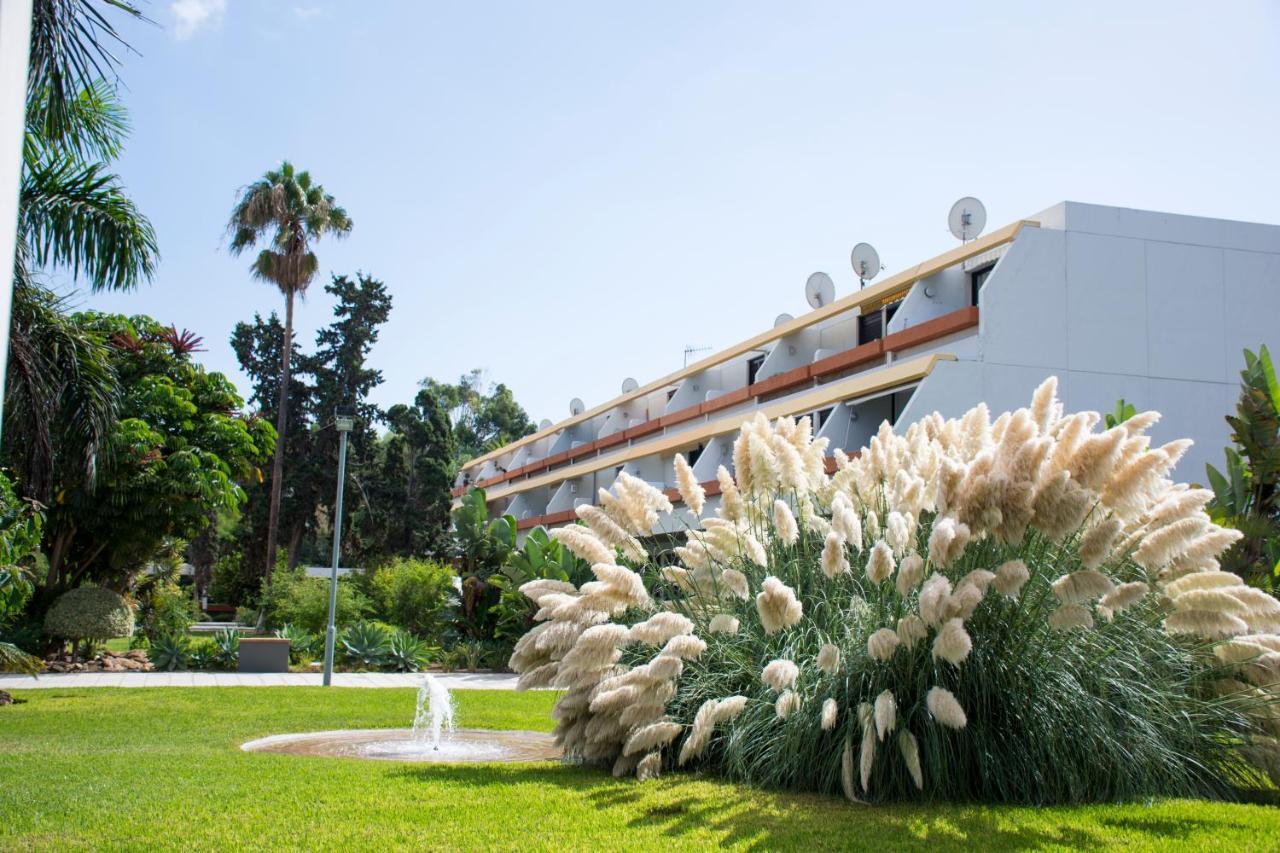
(731, 503)
(830, 712)
(911, 630)
(659, 628)
(867, 755)
(1095, 547)
(704, 722)
(897, 532)
(1201, 580)
(583, 543)
(944, 708)
(736, 582)
(729, 707)
(780, 674)
(834, 561)
(910, 749)
(685, 647)
(947, 541)
(1082, 586)
(910, 573)
(1010, 578)
(1211, 624)
(846, 770)
(687, 484)
(1069, 616)
(610, 532)
(785, 523)
(651, 737)
(934, 596)
(649, 767)
(1124, 596)
(777, 605)
(788, 702)
(880, 563)
(952, 643)
(886, 714)
(882, 644)
(723, 623)
(829, 658)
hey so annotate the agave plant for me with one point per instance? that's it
(365, 645)
(302, 643)
(202, 656)
(170, 652)
(407, 653)
(1021, 609)
(226, 648)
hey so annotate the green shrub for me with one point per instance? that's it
(303, 602)
(89, 613)
(203, 655)
(416, 595)
(365, 645)
(471, 655)
(166, 610)
(235, 581)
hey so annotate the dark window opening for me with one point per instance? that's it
(820, 419)
(890, 310)
(871, 327)
(694, 454)
(753, 368)
(977, 278)
(671, 393)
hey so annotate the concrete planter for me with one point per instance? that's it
(264, 654)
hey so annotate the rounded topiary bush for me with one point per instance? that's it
(1021, 609)
(89, 613)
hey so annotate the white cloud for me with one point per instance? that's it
(306, 13)
(191, 15)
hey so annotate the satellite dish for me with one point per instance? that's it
(967, 218)
(629, 385)
(819, 290)
(545, 423)
(866, 262)
(783, 319)
(576, 406)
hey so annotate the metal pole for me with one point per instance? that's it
(331, 634)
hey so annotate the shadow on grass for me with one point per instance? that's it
(682, 806)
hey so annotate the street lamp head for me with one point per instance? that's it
(344, 423)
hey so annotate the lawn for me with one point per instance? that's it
(162, 769)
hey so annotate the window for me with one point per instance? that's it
(753, 368)
(694, 454)
(871, 327)
(670, 393)
(820, 419)
(977, 278)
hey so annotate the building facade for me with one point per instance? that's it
(1150, 307)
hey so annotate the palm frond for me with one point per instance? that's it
(14, 659)
(76, 216)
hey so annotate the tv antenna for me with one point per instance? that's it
(866, 263)
(576, 406)
(967, 219)
(690, 349)
(629, 385)
(819, 290)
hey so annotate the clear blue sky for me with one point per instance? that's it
(566, 194)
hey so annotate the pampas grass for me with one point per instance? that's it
(1037, 616)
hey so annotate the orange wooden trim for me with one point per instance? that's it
(781, 382)
(649, 426)
(611, 440)
(459, 492)
(679, 417)
(725, 401)
(584, 450)
(930, 330)
(850, 358)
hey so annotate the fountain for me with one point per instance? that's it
(432, 738)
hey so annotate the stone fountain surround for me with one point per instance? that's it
(459, 747)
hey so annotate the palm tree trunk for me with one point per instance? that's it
(282, 416)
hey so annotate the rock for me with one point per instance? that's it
(5, 698)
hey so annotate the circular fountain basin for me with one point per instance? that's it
(459, 746)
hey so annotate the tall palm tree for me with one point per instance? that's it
(288, 210)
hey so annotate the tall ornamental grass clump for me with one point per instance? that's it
(1019, 610)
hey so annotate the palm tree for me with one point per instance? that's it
(287, 207)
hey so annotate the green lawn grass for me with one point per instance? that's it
(162, 769)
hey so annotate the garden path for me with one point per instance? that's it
(452, 680)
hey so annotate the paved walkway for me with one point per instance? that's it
(452, 680)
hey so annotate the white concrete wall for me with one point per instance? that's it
(1151, 307)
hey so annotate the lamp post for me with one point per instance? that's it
(343, 424)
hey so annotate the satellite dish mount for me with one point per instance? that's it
(866, 263)
(967, 219)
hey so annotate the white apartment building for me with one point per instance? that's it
(1152, 307)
